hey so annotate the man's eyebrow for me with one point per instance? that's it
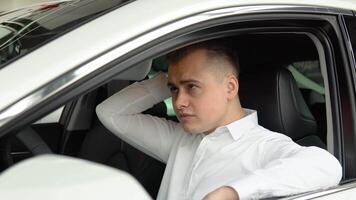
(170, 84)
(183, 82)
(189, 81)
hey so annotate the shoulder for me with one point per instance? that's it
(260, 134)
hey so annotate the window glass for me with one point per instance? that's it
(310, 81)
(308, 75)
(21, 31)
(52, 117)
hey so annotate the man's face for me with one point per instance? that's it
(198, 95)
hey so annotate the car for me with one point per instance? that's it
(58, 60)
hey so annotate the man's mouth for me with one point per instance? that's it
(185, 117)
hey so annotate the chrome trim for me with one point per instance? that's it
(31, 100)
(8, 27)
(281, 9)
(21, 153)
(13, 22)
(315, 194)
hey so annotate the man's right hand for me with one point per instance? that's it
(222, 193)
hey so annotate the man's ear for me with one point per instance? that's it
(232, 86)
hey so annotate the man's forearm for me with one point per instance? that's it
(135, 98)
(121, 115)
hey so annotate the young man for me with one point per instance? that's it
(218, 150)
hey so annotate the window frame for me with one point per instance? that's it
(346, 80)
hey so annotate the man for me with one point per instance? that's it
(218, 150)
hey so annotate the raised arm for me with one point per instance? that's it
(121, 114)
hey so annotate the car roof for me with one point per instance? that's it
(72, 49)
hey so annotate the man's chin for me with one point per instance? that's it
(196, 130)
(191, 130)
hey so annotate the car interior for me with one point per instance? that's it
(280, 77)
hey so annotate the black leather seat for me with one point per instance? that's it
(101, 146)
(273, 92)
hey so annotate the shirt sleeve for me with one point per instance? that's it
(121, 114)
(286, 169)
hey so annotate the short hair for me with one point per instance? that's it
(215, 48)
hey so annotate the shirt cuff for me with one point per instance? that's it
(157, 86)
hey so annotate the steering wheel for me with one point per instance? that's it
(32, 141)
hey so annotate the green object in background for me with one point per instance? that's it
(305, 82)
(170, 110)
(160, 64)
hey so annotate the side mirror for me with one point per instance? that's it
(49, 177)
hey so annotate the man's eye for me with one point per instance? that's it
(193, 89)
(173, 89)
(191, 86)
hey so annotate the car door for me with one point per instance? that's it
(323, 28)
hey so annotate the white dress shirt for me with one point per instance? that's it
(256, 162)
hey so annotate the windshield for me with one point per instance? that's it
(23, 30)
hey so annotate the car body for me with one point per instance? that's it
(111, 37)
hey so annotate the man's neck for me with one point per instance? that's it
(234, 113)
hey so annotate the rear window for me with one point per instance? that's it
(23, 30)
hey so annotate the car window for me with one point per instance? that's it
(308, 75)
(52, 117)
(21, 31)
(310, 81)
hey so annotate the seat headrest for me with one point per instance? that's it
(135, 73)
(273, 92)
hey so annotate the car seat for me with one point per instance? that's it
(102, 146)
(273, 92)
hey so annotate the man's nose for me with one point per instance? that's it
(181, 101)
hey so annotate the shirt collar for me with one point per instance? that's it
(241, 126)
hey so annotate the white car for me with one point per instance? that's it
(59, 60)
